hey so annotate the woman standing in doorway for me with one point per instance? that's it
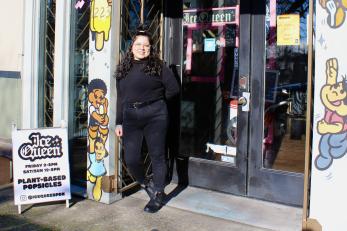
(144, 84)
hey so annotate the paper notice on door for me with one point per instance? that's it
(288, 30)
(229, 159)
(209, 45)
(221, 149)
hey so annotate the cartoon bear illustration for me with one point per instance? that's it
(98, 109)
(333, 127)
(96, 169)
(336, 11)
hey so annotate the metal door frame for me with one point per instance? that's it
(223, 176)
(268, 184)
(249, 178)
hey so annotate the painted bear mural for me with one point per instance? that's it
(97, 134)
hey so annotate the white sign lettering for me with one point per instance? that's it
(41, 147)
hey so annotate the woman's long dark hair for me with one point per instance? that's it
(154, 65)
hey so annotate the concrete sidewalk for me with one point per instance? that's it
(244, 210)
(126, 214)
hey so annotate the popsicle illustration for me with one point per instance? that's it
(100, 21)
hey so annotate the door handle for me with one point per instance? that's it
(244, 101)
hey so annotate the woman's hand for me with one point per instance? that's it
(119, 130)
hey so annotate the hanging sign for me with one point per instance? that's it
(328, 192)
(40, 165)
(213, 16)
(288, 30)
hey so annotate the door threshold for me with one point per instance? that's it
(244, 210)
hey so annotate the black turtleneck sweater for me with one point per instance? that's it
(139, 87)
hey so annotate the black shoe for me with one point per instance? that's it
(148, 186)
(156, 203)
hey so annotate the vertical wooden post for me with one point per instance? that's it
(308, 116)
(142, 10)
(161, 39)
(117, 171)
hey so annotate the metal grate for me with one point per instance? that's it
(48, 63)
(125, 180)
(130, 20)
(80, 37)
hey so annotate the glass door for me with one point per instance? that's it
(278, 115)
(243, 105)
(213, 125)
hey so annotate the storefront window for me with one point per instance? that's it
(131, 19)
(78, 122)
(285, 85)
(80, 38)
(210, 80)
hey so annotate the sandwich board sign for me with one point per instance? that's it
(40, 166)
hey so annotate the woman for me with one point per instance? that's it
(144, 84)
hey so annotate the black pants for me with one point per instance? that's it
(151, 122)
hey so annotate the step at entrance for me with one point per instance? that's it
(240, 209)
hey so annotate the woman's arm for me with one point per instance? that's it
(170, 83)
(119, 114)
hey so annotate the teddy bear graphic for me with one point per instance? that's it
(336, 10)
(97, 134)
(98, 110)
(333, 127)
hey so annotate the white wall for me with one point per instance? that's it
(11, 50)
(329, 142)
(11, 35)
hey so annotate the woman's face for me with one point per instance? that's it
(141, 47)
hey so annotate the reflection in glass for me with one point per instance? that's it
(285, 85)
(210, 80)
(78, 94)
